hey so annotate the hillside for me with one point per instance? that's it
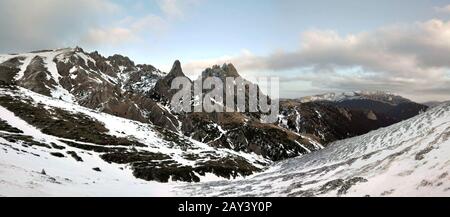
(407, 159)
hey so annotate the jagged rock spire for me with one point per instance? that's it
(162, 90)
(176, 70)
(230, 70)
(226, 70)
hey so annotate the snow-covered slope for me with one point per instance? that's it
(21, 174)
(101, 152)
(411, 158)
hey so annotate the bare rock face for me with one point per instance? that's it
(239, 131)
(162, 91)
(36, 77)
(224, 71)
(121, 61)
(326, 123)
(330, 120)
(8, 70)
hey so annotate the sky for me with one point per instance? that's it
(314, 47)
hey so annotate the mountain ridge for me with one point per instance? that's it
(409, 158)
(117, 86)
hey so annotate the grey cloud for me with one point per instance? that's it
(424, 90)
(401, 58)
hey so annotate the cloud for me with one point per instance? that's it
(171, 8)
(405, 58)
(36, 24)
(132, 29)
(246, 61)
(115, 35)
(175, 9)
(444, 9)
(42, 24)
(127, 30)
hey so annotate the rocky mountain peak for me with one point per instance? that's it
(96, 55)
(120, 60)
(226, 70)
(230, 70)
(162, 90)
(176, 70)
(78, 49)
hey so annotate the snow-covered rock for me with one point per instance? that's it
(411, 158)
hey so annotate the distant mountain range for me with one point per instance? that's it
(382, 96)
(70, 104)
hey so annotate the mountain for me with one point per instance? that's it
(239, 131)
(183, 146)
(80, 103)
(406, 159)
(345, 96)
(332, 116)
(114, 85)
(74, 121)
(38, 126)
(117, 86)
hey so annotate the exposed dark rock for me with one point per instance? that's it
(162, 91)
(4, 126)
(349, 183)
(25, 140)
(159, 167)
(57, 154)
(75, 156)
(57, 146)
(8, 70)
(64, 124)
(330, 121)
(35, 77)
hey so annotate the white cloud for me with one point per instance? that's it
(171, 8)
(402, 58)
(126, 30)
(444, 9)
(175, 9)
(133, 29)
(113, 36)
